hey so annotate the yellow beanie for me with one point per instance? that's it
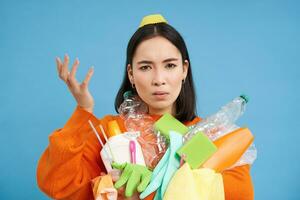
(152, 19)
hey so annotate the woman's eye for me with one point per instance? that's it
(145, 67)
(170, 66)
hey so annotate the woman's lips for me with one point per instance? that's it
(160, 95)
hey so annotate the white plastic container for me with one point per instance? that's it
(119, 150)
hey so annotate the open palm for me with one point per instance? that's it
(80, 91)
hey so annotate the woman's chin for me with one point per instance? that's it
(159, 108)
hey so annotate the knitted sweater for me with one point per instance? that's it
(72, 160)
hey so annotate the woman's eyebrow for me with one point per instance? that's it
(150, 62)
(170, 59)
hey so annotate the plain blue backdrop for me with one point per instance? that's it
(235, 47)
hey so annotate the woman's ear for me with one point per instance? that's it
(130, 73)
(186, 66)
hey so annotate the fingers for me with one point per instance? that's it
(62, 67)
(118, 166)
(88, 77)
(65, 70)
(72, 76)
(58, 65)
(132, 183)
(115, 174)
(124, 177)
(145, 180)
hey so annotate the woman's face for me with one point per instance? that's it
(157, 72)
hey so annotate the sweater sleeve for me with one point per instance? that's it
(71, 159)
(238, 184)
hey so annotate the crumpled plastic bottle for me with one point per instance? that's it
(134, 112)
(223, 122)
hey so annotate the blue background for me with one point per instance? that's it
(235, 47)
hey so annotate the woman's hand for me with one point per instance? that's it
(136, 177)
(80, 91)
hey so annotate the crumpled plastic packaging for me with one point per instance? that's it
(103, 188)
(134, 112)
(222, 123)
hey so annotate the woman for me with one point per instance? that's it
(158, 69)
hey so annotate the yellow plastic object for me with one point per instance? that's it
(152, 19)
(230, 148)
(195, 184)
(103, 188)
(113, 128)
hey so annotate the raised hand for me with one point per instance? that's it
(80, 91)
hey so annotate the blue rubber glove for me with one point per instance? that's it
(165, 169)
(136, 177)
(174, 160)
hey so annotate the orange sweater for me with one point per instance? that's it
(72, 159)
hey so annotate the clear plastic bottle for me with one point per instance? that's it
(222, 123)
(215, 125)
(135, 114)
(132, 104)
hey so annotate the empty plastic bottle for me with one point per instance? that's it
(221, 121)
(136, 118)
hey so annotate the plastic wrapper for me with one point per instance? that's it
(222, 123)
(103, 188)
(134, 112)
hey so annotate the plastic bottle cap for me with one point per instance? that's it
(127, 94)
(113, 128)
(245, 97)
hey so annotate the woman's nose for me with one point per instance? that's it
(159, 83)
(158, 79)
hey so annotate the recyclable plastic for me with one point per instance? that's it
(222, 123)
(134, 112)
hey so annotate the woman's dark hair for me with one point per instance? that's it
(186, 101)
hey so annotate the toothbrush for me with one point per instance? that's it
(132, 149)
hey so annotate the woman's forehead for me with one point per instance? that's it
(156, 49)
